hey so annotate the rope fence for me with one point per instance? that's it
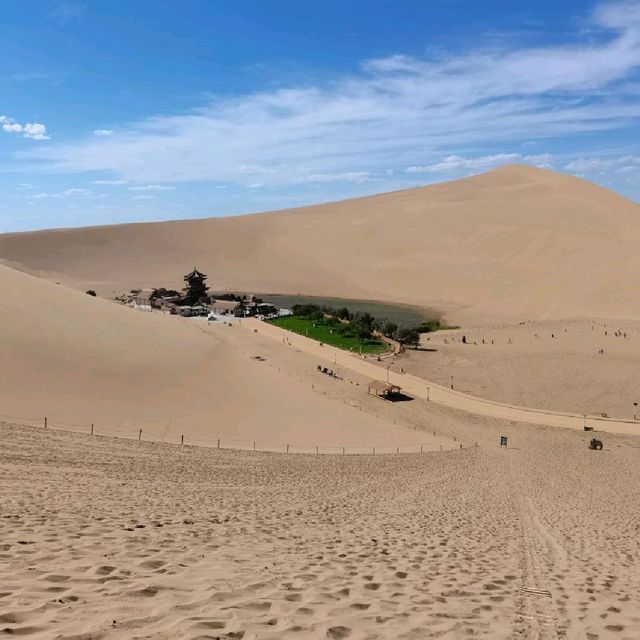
(226, 441)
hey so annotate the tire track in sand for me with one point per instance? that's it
(537, 614)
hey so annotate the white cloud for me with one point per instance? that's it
(35, 131)
(395, 112)
(104, 133)
(151, 187)
(622, 164)
(458, 163)
(68, 193)
(77, 192)
(32, 130)
(112, 183)
(348, 176)
(618, 171)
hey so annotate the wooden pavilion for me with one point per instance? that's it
(382, 389)
(196, 288)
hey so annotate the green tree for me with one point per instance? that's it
(408, 337)
(389, 329)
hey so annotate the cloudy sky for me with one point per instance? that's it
(192, 108)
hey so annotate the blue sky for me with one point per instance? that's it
(123, 112)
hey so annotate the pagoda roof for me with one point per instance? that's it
(195, 274)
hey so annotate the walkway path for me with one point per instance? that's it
(421, 388)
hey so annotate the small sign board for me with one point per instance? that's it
(503, 441)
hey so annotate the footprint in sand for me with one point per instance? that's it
(152, 564)
(147, 592)
(104, 570)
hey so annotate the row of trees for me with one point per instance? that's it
(360, 324)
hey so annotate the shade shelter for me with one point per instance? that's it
(382, 389)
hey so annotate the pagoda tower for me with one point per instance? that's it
(196, 288)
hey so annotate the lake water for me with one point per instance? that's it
(404, 315)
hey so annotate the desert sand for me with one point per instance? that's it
(576, 365)
(108, 538)
(105, 536)
(414, 386)
(80, 360)
(517, 242)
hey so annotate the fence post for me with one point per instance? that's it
(374, 451)
(45, 422)
(420, 448)
(92, 429)
(182, 439)
(317, 451)
(254, 446)
(287, 448)
(139, 435)
(440, 447)
(397, 450)
(342, 450)
(461, 446)
(218, 443)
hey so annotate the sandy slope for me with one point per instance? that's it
(78, 360)
(517, 241)
(107, 539)
(442, 394)
(577, 366)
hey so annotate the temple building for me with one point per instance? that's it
(196, 288)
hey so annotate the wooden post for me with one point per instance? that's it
(139, 435)
(397, 449)
(92, 429)
(420, 448)
(342, 450)
(461, 446)
(287, 448)
(440, 447)
(218, 443)
(182, 439)
(254, 446)
(428, 389)
(374, 451)
(45, 422)
(317, 451)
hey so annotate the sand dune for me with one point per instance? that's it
(577, 366)
(82, 360)
(100, 538)
(111, 538)
(515, 242)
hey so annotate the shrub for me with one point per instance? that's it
(91, 292)
(408, 337)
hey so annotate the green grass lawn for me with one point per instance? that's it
(320, 331)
